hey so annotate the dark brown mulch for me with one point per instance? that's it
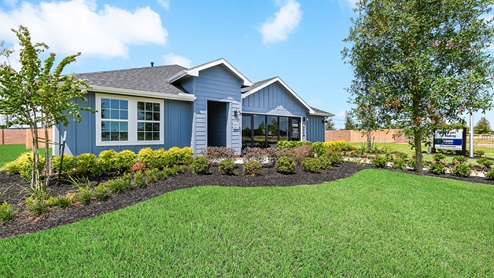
(13, 188)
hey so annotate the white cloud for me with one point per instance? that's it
(165, 4)
(341, 114)
(284, 22)
(174, 59)
(79, 26)
(10, 3)
(348, 3)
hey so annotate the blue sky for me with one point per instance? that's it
(299, 41)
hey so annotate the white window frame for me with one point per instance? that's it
(132, 121)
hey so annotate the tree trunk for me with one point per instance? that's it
(47, 155)
(369, 140)
(418, 151)
(35, 176)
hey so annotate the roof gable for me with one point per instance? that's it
(256, 87)
(195, 71)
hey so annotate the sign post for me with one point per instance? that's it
(455, 140)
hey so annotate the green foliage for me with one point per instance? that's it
(312, 165)
(227, 167)
(285, 165)
(120, 184)
(83, 196)
(437, 168)
(58, 201)
(291, 144)
(100, 192)
(139, 180)
(399, 163)
(461, 170)
(151, 175)
(86, 164)
(252, 168)
(36, 206)
(459, 159)
(380, 161)
(325, 162)
(39, 94)
(108, 161)
(479, 153)
(20, 163)
(7, 213)
(329, 124)
(145, 155)
(490, 175)
(349, 123)
(438, 157)
(200, 166)
(68, 163)
(418, 64)
(124, 160)
(482, 127)
(485, 163)
(179, 156)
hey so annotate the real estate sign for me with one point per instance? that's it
(450, 140)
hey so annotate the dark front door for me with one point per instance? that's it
(217, 122)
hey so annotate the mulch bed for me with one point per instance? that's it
(13, 188)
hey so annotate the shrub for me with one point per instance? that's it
(36, 206)
(484, 162)
(291, 144)
(479, 153)
(139, 179)
(336, 158)
(227, 167)
(252, 168)
(7, 213)
(461, 170)
(437, 168)
(380, 161)
(399, 163)
(176, 156)
(302, 152)
(145, 155)
(151, 175)
(58, 201)
(86, 164)
(200, 166)
(412, 163)
(255, 154)
(67, 163)
(490, 175)
(319, 148)
(285, 165)
(402, 155)
(312, 165)
(216, 154)
(120, 184)
(23, 166)
(438, 156)
(100, 192)
(325, 162)
(83, 196)
(460, 160)
(125, 159)
(107, 161)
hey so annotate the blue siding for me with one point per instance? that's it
(215, 84)
(273, 100)
(315, 129)
(81, 137)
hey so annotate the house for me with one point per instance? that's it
(212, 104)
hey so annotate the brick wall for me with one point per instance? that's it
(356, 136)
(20, 136)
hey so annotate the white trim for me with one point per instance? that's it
(195, 71)
(132, 121)
(139, 93)
(272, 81)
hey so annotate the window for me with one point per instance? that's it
(128, 121)
(266, 131)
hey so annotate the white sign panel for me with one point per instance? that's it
(452, 140)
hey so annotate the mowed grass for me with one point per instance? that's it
(376, 223)
(9, 153)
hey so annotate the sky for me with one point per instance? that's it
(298, 40)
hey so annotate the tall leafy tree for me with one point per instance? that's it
(38, 95)
(420, 63)
(349, 123)
(330, 124)
(483, 126)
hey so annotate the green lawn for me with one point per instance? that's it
(376, 223)
(11, 152)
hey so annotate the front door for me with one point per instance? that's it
(217, 122)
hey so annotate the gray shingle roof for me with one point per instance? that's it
(257, 84)
(320, 112)
(151, 79)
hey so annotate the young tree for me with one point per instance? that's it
(419, 63)
(38, 95)
(329, 124)
(482, 127)
(349, 124)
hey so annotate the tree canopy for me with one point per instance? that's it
(420, 63)
(349, 123)
(482, 127)
(38, 94)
